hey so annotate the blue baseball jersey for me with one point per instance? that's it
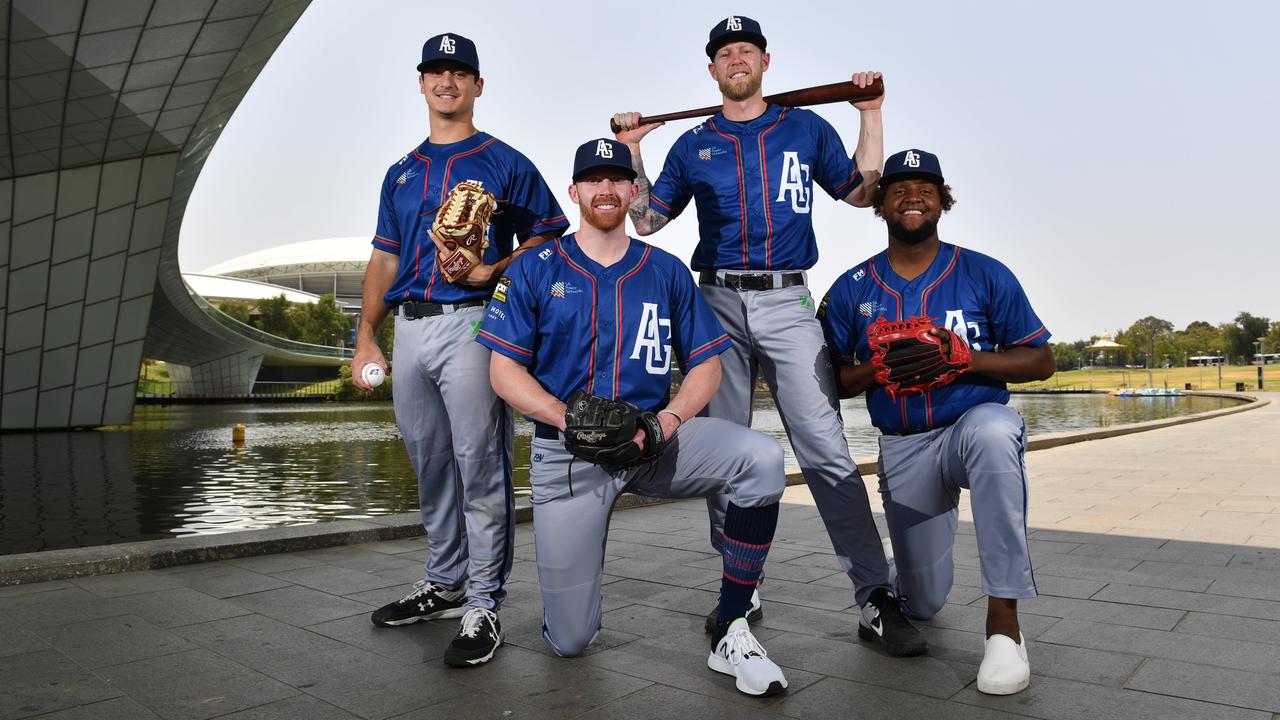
(416, 187)
(611, 331)
(752, 185)
(973, 295)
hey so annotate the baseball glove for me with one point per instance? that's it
(462, 225)
(911, 360)
(599, 430)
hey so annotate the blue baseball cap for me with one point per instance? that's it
(450, 47)
(734, 28)
(911, 164)
(602, 153)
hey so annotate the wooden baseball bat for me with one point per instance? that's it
(820, 95)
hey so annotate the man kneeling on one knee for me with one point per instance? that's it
(596, 318)
(931, 332)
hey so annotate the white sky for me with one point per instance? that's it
(1119, 157)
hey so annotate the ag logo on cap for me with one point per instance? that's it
(447, 45)
(604, 149)
(912, 159)
(733, 23)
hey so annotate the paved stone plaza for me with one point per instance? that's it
(1157, 556)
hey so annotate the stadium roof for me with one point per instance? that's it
(307, 255)
(217, 287)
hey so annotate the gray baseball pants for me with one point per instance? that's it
(572, 500)
(459, 436)
(921, 476)
(775, 333)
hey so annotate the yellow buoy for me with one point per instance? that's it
(237, 433)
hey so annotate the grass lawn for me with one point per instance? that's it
(1201, 378)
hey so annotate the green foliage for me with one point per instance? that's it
(1155, 338)
(241, 310)
(321, 322)
(274, 317)
(349, 392)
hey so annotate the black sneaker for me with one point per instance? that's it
(883, 620)
(477, 640)
(754, 613)
(427, 601)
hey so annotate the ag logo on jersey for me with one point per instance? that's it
(447, 45)
(794, 182)
(653, 337)
(955, 322)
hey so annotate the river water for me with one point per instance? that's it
(175, 471)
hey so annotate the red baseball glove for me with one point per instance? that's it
(911, 360)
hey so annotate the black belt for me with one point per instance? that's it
(752, 280)
(412, 310)
(543, 431)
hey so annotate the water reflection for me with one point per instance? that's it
(176, 472)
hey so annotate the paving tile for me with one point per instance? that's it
(925, 675)
(681, 662)
(479, 705)
(45, 681)
(1060, 661)
(1227, 626)
(838, 698)
(1218, 604)
(1055, 699)
(336, 580)
(112, 641)
(662, 703)
(57, 606)
(224, 580)
(397, 547)
(121, 708)
(300, 606)
(1244, 589)
(680, 599)
(1093, 538)
(974, 619)
(127, 583)
(194, 684)
(419, 642)
(1210, 684)
(1171, 582)
(565, 686)
(8, 591)
(177, 607)
(254, 639)
(1160, 554)
(293, 708)
(1221, 652)
(267, 564)
(18, 640)
(370, 685)
(1104, 612)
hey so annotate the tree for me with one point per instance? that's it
(321, 322)
(239, 309)
(273, 317)
(1146, 339)
(1273, 338)
(1239, 338)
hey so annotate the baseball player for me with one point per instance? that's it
(600, 312)
(959, 435)
(751, 169)
(457, 431)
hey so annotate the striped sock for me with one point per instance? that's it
(748, 533)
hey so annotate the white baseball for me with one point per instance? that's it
(372, 375)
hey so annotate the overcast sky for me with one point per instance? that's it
(1119, 157)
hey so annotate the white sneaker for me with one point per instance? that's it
(740, 655)
(1005, 669)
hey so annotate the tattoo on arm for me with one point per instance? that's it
(646, 219)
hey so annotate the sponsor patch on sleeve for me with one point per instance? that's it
(500, 290)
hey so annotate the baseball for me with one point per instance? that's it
(372, 375)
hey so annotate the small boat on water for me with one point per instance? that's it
(1146, 392)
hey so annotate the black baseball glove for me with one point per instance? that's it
(599, 430)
